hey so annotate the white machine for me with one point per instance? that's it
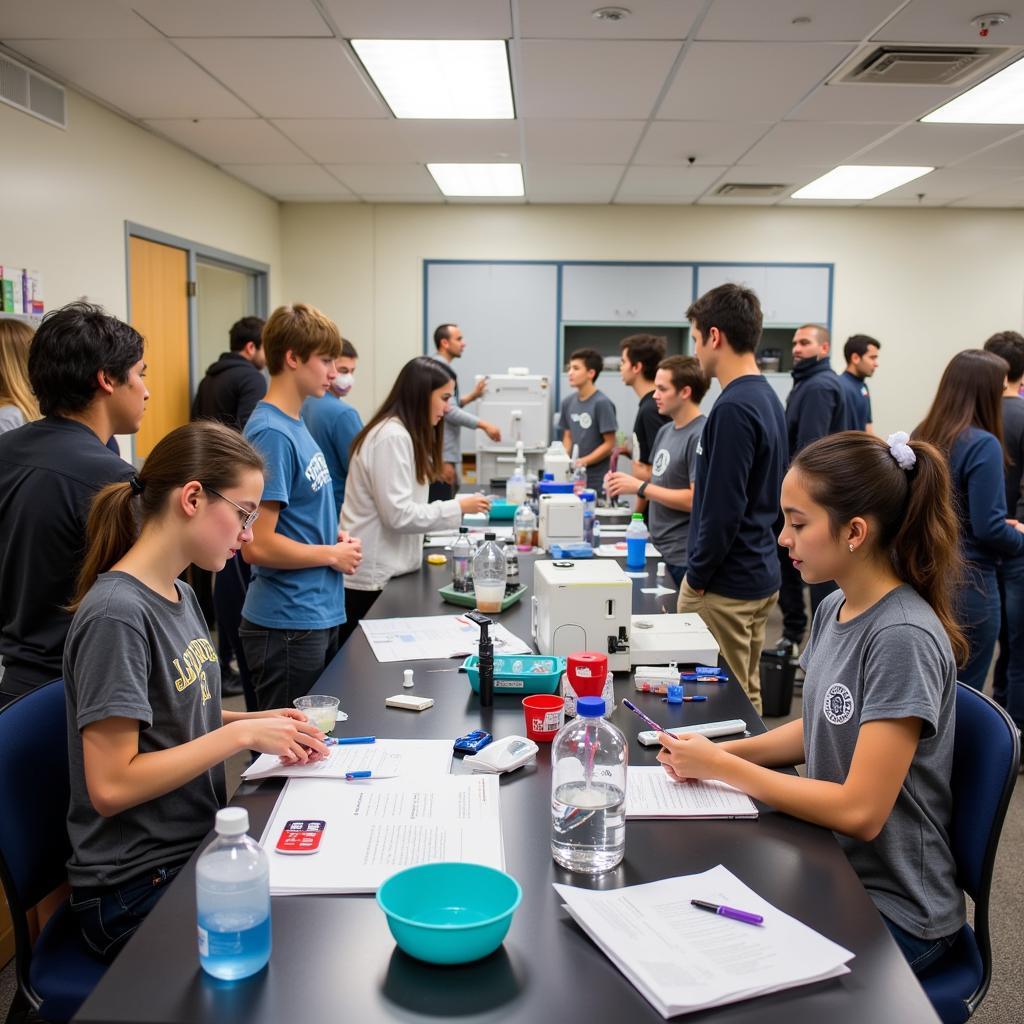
(519, 405)
(659, 639)
(561, 520)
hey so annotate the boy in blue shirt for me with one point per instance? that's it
(861, 354)
(296, 601)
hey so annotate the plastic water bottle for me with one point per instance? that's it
(233, 900)
(489, 576)
(515, 488)
(636, 543)
(511, 566)
(588, 791)
(525, 526)
(462, 562)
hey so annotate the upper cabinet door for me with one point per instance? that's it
(789, 296)
(614, 293)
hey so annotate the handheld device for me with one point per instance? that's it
(301, 836)
(473, 741)
(504, 755)
(485, 659)
(636, 711)
(709, 729)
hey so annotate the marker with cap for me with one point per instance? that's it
(723, 911)
(348, 741)
(366, 774)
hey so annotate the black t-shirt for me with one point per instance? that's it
(645, 428)
(50, 471)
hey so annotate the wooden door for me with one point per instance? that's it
(158, 297)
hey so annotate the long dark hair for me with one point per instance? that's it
(970, 395)
(409, 401)
(206, 451)
(854, 474)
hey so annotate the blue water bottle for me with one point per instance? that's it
(636, 543)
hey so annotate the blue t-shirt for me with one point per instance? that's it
(334, 425)
(858, 400)
(298, 478)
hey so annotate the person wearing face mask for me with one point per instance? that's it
(333, 422)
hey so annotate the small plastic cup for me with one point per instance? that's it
(545, 714)
(489, 596)
(319, 709)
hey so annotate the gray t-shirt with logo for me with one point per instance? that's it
(673, 464)
(131, 653)
(892, 661)
(586, 422)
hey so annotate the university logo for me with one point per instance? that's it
(661, 461)
(838, 704)
(585, 420)
(317, 472)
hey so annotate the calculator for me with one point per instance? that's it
(301, 836)
(472, 741)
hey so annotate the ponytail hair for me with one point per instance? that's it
(206, 451)
(854, 474)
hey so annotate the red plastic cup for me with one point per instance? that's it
(587, 671)
(545, 714)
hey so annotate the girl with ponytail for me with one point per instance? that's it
(146, 734)
(880, 678)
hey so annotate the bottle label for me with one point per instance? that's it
(204, 941)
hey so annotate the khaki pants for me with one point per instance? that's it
(738, 627)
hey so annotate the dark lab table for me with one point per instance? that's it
(334, 958)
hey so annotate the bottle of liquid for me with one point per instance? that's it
(511, 566)
(636, 543)
(556, 462)
(579, 473)
(588, 791)
(525, 524)
(589, 499)
(462, 562)
(233, 900)
(515, 488)
(489, 576)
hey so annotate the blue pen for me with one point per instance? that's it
(348, 741)
(349, 776)
(696, 697)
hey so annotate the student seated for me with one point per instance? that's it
(146, 734)
(880, 680)
(587, 419)
(394, 459)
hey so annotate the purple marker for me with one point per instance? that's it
(737, 915)
(636, 711)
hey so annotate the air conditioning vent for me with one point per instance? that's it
(32, 93)
(917, 65)
(747, 190)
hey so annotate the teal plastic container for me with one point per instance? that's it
(448, 913)
(515, 673)
(502, 511)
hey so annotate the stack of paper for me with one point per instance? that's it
(414, 758)
(651, 793)
(683, 959)
(434, 636)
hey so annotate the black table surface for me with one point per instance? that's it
(335, 959)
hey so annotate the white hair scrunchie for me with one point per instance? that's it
(900, 450)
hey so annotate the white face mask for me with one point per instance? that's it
(342, 384)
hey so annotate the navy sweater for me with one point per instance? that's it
(817, 406)
(976, 462)
(741, 460)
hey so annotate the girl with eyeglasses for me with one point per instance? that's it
(147, 736)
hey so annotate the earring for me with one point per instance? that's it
(851, 549)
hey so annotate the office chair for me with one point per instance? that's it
(56, 973)
(986, 758)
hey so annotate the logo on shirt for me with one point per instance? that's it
(317, 472)
(838, 704)
(583, 419)
(700, 445)
(661, 461)
(191, 666)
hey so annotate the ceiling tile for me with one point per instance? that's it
(830, 20)
(827, 144)
(710, 142)
(949, 21)
(952, 183)
(288, 77)
(581, 142)
(774, 78)
(566, 78)
(142, 77)
(793, 176)
(666, 183)
(231, 140)
(458, 141)
(1010, 194)
(348, 140)
(71, 19)
(892, 104)
(233, 17)
(573, 19)
(385, 179)
(934, 145)
(1006, 154)
(291, 180)
(570, 183)
(436, 19)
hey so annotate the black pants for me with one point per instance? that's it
(229, 587)
(440, 491)
(357, 604)
(791, 598)
(285, 663)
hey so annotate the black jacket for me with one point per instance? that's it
(229, 391)
(817, 406)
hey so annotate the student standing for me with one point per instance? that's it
(394, 459)
(234, 383)
(966, 422)
(587, 418)
(732, 570)
(18, 405)
(879, 681)
(146, 734)
(295, 604)
(641, 356)
(861, 355)
(87, 371)
(679, 387)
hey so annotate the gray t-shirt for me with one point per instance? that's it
(131, 653)
(674, 465)
(586, 422)
(10, 418)
(892, 661)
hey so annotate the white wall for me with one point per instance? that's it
(221, 300)
(927, 283)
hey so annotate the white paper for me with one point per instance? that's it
(651, 793)
(682, 959)
(377, 828)
(476, 534)
(389, 757)
(613, 551)
(433, 637)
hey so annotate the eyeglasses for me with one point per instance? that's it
(247, 517)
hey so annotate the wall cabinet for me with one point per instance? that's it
(625, 293)
(789, 295)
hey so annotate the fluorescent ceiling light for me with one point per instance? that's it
(440, 78)
(852, 181)
(997, 100)
(478, 179)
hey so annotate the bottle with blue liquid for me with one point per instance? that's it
(636, 543)
(233, 900)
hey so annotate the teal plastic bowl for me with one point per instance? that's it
(449, 913)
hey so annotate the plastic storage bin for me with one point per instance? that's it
(514, 673)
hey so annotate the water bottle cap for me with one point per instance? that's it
(549, 476)
(638, 515)
(232, 821)
(463, 529)
(490, 536)
(590, 707)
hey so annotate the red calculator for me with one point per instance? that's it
(301, 836)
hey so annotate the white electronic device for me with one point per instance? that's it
(561, 519)
(649, 738)
(661, 639)
(518, 403)
(504, 755)
(582, 606)
(409, 702)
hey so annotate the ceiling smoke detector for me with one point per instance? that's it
(612, 14)
(984, 23)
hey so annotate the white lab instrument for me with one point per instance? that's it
(518, 403)
(661, 639)
(557, 462)
(504, 755)
(561, 519)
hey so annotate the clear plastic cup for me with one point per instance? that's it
(489, 596)
(319, 709)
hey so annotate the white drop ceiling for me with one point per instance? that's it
(665, 106)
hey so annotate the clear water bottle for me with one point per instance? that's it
(462, 562)
(588, 791)
(515, 488)
(233, 900)
(489, 576)
(511, 566)
(636, 543)
(524, 527)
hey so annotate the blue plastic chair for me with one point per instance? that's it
(57, 973)
(986, 758)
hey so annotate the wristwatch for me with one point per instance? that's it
(642, 489)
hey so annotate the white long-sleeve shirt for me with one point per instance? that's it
(387, 509)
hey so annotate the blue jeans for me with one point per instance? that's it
(978, 614)
(919, 953)
(285, 663)
(1008, 679)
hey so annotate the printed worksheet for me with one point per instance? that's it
(431, 637)
(387, 757)
(652, 793)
